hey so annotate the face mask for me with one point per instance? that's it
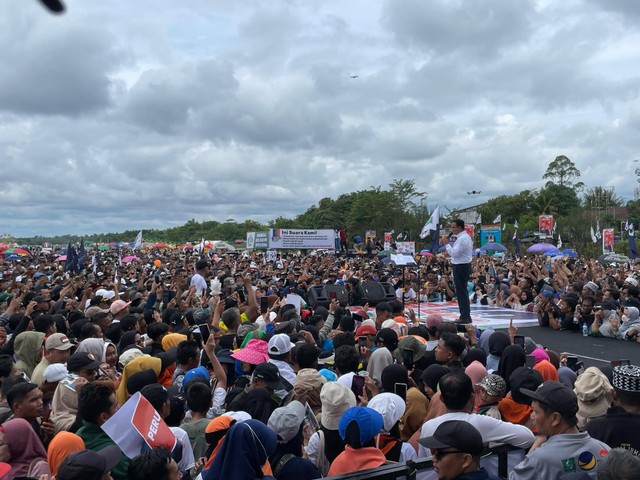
(625, 318)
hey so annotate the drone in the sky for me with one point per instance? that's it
(474, 192)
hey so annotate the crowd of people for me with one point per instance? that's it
(257, 380)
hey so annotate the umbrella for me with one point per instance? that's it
(103, 247)
(570, 253)
(609, 258)
(16, 251)
(12, 258)
(426, 253)
(553, 253)
(160, 245)
(493, 247)
(541, 247)
(61, 258)
(130, 258)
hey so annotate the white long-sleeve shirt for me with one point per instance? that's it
(462, 250)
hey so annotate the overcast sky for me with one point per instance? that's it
(144, 114)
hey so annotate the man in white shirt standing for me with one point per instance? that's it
(198, 280)
(461, 254)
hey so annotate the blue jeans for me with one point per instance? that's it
(461, 273)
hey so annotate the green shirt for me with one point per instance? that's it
(96, 439)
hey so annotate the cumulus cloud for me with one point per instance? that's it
(144, 114)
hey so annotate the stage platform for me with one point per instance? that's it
(483, 316)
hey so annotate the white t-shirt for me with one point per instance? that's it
(200, 283)
(187, 461)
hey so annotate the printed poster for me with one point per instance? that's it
(545, 226)
(608, 240)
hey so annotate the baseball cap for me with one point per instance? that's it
(433, 321)
(365, 330)
(89, 464)
(280, 344)
(106, 294)
(198, 372)
(547, 293)
(524, 378)
(54, 373)
(82, 361)
(631, 281)
(388, 337)
(369, 423)
(558, 396)
(57, 341)
(118, 306)
(410, 343)
(390, 406)
(286, 421)
(494, 385)
(455, 434)
(269, 374)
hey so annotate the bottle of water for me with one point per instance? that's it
(585, 330)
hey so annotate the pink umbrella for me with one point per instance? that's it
(425, 253)
(130, 258)
(61, 258)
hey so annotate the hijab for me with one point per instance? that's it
(172, 340)
(94, 346)
(62, 445)
(394, 374)
(127, 339)
(540, 355)
(214, 434)
(475, 354)
(379, 360)
(432, 375)
(512, 357)
(567, 377)
(259, 404)
(145, 362)
(476, 372)
(28, 350)
(139, 380)
(547, 370)
(483, 341)
(498, 342)
(24, 447)
(245, 449)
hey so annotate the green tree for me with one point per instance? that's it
(601, 197)
(562, 171)
(511, 207)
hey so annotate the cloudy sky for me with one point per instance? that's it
(143, 114)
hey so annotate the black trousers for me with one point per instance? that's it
(461, 273)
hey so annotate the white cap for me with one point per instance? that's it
(55, 372)
(280, 344)
(286, 421)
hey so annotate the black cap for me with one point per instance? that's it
(455, 434)
(269, 374)
(524, 377)
(89, 465)
(82, 361)
(389, 337)
(558, 396)
(224, 356)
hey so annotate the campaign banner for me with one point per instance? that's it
(608, 240)
(282, 238)
(387, 237)
(136, 427)
(406, 248)
(257, 240)
(370, 235)
(545, 226)
(490, 234)
(471, 231)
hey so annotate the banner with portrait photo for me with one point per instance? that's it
(608, 240)
(471, 231)
(545, 226)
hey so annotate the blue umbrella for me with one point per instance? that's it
(553, 253)
(494, 247)
(12, 257)
(570, 253)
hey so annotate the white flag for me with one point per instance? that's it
(479, 219)
(504, 227)
(631, 231)
(516, 224)
(138, 243)
(594, 239)
(498, 219)
(559, 242)
(432, 223)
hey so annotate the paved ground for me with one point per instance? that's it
(592, 351)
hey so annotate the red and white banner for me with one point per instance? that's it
(545, 226)
(136, 427)
(608, 240)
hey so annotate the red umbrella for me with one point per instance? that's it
(16, 251)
